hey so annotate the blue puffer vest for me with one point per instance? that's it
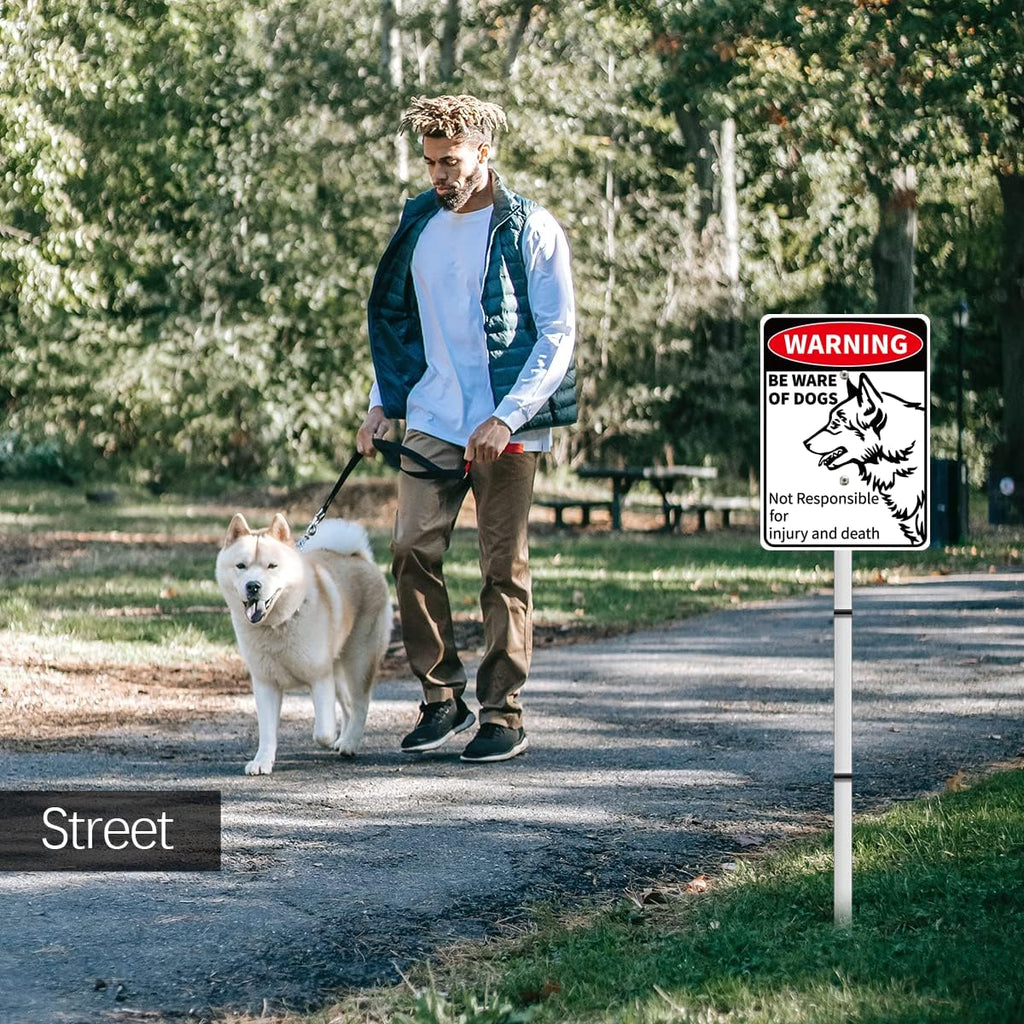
(396, 338)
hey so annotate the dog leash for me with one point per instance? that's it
(392, 452)
(322, 513)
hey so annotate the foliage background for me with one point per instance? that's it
(194, 194)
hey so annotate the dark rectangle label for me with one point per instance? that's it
(110, 830)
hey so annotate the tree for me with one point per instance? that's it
(979, 77)
(589, 141)
(449, 50)
(228, 212)
(392, 60)
(859, 81)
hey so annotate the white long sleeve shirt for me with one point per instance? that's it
(453, 397)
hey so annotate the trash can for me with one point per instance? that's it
(945, 508)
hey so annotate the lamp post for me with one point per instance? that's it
(961, 318)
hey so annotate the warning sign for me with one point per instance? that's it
(844, 432)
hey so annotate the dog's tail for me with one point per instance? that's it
(341, 536)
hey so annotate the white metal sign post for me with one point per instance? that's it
(844, 466)
(842, 738)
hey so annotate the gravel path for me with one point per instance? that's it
(654, 754)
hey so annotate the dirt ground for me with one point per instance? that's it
(58, 695)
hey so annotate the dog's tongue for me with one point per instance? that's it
(254, 612)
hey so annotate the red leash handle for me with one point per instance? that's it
(515, 447)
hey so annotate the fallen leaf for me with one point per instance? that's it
(955, 783)
(698, 884)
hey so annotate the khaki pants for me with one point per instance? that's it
(427, 510)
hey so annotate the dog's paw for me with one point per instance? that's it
(345, 747)
(324, 739)
(259, 767)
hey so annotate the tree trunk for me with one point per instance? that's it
(611, 204)
(701, 153)
(730, 213)
(450, 40)
(390, 44)
(392, 73)
(713, 153)
(422, 55)
(715, 414)
(1010, 461)
(515, 41)
(892, 254)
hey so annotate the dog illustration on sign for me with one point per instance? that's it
(882, 434)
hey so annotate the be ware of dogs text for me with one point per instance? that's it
(110, 831)
(844, 432)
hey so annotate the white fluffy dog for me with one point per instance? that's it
(319, 619)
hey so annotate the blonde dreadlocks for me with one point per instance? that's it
(453, 117)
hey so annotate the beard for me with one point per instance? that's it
(455, 199)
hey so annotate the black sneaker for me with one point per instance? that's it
(495, 742)
(438, 722)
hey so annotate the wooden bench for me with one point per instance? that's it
(662, 478)
(559, 505)
(702, 506)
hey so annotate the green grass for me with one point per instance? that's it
(37, 508)
(119, 593)
(938, 915)
(119, 589)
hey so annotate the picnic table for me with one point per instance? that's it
(662, 478)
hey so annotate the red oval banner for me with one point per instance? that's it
(845, 343)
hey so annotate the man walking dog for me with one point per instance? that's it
(472, 331)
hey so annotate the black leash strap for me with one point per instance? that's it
(319, 517)
(393, 452)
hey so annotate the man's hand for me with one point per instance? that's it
(375, 425)
(488, 441)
